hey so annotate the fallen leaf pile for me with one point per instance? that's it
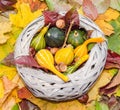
(14, 95)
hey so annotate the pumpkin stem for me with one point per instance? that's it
(69, 29)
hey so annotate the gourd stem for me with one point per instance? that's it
(69, 29)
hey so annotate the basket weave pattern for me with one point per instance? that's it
(51, 87)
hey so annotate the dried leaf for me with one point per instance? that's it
(9, 103)
(72, 16)
(115, 4)
(7, 4)
(24, 93)
(24, 15)
(27, 61)
(8, 87)
(51, 17)
(107, 15)
(103, 19)
(34, 4)
(101, 5)
(113, 60)
(114, 82)
(27, 105)
(103, 80)
(5, 27)
(105, 27)
(9, 60)
(89, 9)
(47, 105)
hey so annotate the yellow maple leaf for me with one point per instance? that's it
(103, 80)
(5, 27)
(24, 15)
(105, 27)
(109, 15)
(103, 19)
(10, 72)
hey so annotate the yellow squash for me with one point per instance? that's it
(64, 55)
(46, 60)
(82, 50)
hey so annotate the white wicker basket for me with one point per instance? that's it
(50, 86)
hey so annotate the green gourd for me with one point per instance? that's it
(73, 68)
(38, 41)
(46, 60)
(55, 37)
(76, 37)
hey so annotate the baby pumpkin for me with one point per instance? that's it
(45, 59)
(64, 55)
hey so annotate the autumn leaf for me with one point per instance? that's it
(5, 27)
(103, 80)
(115, 4)
(89, 9)
(24, 93)
(101, 5)
(34, 4)
(24, 15)
(8, 87)
(111, 86)
(47, 105)
(109, 15)
(12, 97)
(103, 19)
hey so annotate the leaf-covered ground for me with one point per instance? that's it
(15, 15)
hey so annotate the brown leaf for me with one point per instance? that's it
(111, 86)
(9, 60)
(27, 105)
(115, 81)
(89, 9)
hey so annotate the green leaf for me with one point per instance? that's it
(50, 4)
(15, 107)
(114, 39)
(113, 71)
(101, 106)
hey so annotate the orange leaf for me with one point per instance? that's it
(8, 86)
(24, 93)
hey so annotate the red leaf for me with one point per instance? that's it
(27, 61)
(112, 85)
(7, 4)
(24, 93)
(51, 17)
(113, 60)
(89, 9)
(72, 15)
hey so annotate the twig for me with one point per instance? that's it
(69, 29)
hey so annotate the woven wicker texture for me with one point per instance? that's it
(51, 87)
